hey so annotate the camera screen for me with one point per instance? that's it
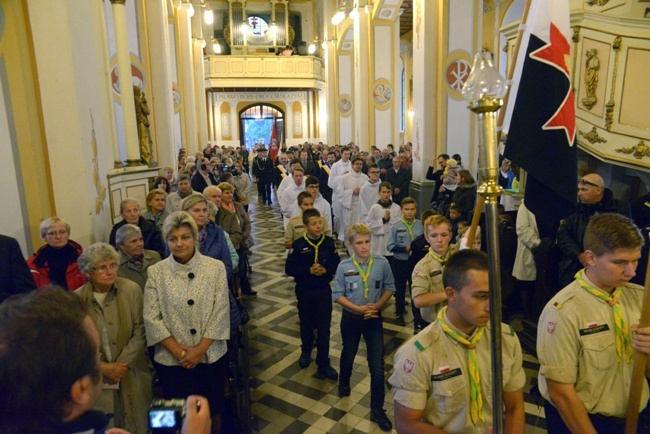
(162, 418)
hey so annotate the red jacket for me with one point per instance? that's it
(73, 276)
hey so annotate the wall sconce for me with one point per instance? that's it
(216, 46)
(311, 49)
(354, 14)
(338, 18)
(208, 16)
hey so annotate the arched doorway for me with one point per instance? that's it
(259, 123)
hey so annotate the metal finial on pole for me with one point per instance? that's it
(483, 90)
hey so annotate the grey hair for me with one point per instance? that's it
(212, 209)
(51, 221)
(125, 232)
(192, 200)
(177, 220)
(127, 201)
(209, 188)
(94, 254)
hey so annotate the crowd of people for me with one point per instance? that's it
(161, 298)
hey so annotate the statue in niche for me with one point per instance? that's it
(144, 136)
(592, 68)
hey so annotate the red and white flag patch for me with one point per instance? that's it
(550, 327)
(409, 365)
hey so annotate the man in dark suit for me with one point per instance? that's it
(324, 176)
(400, 179)
(15, 277)
(203, 177)
(263, 172)
(310, 167)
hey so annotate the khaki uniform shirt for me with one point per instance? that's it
(427, 278)
(431, 374)
(296, 229)
(576, 344)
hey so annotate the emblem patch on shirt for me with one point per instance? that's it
(435, 273)
(351, 273)
(409, 365)
(593, 328)
(416, 272)
(550, 327)
(447, 375)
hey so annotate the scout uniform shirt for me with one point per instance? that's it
(431, 374)
(349, 283)
(400, 237)
(296, 229)
(427, 278)
(576, 344)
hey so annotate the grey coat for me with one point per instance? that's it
(128, 270)
(120, 325)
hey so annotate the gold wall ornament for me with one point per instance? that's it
(576, 34)
(99, 188)
(609, 114)
(592, 136)
(592, 68)
(597, 2)
(616, 45)
(144, 135)
(639, 150)
(226, 34)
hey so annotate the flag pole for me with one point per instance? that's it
(502, 113)
(639, 367)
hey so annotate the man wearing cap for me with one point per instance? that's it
(442, 380)
(593, 198)
(263, 172)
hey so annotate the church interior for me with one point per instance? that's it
(97, 96)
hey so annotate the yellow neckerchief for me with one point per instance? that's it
(364, 276)
(315, 246)
(623, 342)
(476, 404)
(439, 258)
(409, 226)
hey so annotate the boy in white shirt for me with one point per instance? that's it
(381, 218)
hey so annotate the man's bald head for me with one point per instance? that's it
(591, 189)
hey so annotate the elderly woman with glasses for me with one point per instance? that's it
(56, 262)
(115, 307)
(134, 258)
(187, 317)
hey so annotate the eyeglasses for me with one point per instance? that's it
(374, 172)
(585, 182)
(55, 233)
(104, 268)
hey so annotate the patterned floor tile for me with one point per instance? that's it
(287, 399)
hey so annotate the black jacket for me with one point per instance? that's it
(400, 179)
(571, 233)
(151, 235)
(465, 198)
(15, 277)
(263, 170)
(301, 258)
(199, 184)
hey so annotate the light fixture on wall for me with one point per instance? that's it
(311, 49)
(216, 46)
(274, 27)
(338, 18)
(208, 15)
(354, 14)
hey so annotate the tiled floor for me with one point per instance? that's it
(287, 399)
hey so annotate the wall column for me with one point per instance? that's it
(161, 81)
(186, 82)
(125, 78)
(361, 77)
(425, 77)
(199, 81)
(211, 132)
